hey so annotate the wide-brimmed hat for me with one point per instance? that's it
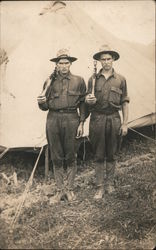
(63, 54)
(105, 49)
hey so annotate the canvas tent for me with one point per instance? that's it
(61, 25)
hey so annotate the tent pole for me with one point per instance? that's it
(46, 162)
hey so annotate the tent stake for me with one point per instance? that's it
(4, 152)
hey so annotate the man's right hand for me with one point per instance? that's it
(41, 99)
(90, 99)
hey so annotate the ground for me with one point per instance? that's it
(124, 220)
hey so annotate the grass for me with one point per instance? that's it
(124, 220)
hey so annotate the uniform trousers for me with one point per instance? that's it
(61, 129)
(104, 137)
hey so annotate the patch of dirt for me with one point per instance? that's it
(124, 220)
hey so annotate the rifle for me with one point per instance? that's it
(94, 79)
(90, 98)
(47, 84)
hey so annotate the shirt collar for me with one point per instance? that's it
(68, 76)
(114, 74)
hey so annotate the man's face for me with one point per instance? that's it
(63, 66)
(106, 61)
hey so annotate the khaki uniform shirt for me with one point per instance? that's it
(66, 93)
(111, 93)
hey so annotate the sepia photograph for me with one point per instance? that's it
(77, 125)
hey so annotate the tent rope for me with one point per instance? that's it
(4, 152)
(28, 185)
(142, 135)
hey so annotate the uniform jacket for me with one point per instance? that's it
(111, 93)
(66, 93)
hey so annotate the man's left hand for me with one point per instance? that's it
(123, 130)
(79, 130)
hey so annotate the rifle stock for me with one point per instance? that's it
(48, 83)
(46, 87)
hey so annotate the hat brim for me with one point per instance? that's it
(70, 58)
(114, 54)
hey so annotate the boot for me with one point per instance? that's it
(99, 193)
(110, 188)
(57, 197)
(70, 195)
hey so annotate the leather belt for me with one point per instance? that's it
(64, 110)
(105, 112)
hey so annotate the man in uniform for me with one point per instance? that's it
(110, 96)
(64, 97)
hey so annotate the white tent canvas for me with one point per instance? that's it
(61, 25)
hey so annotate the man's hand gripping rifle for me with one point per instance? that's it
(42, 98)
(90, 98)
